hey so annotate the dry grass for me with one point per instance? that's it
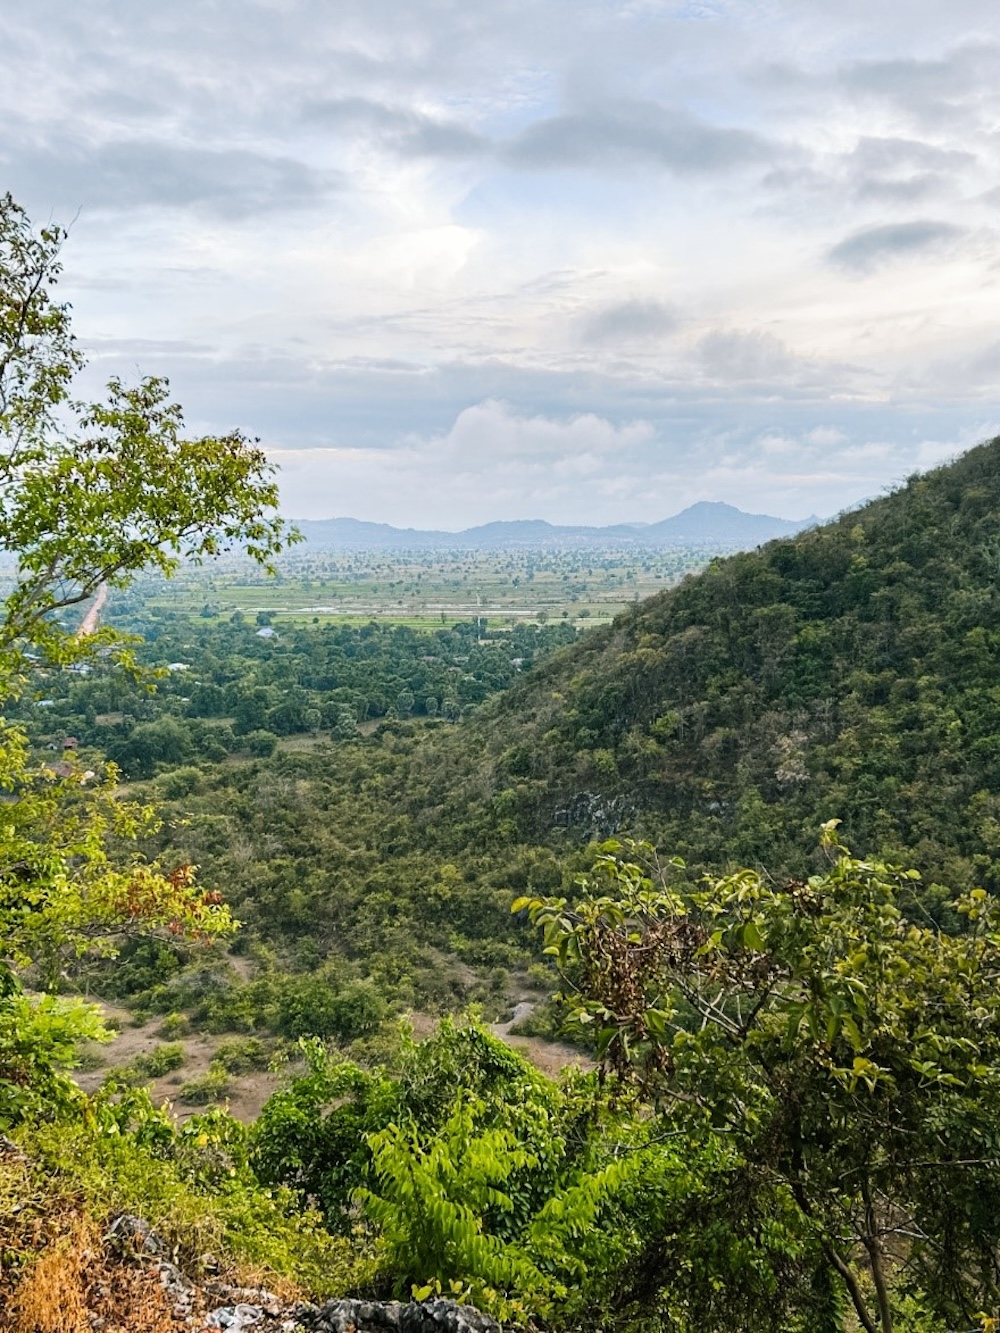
(65, 1280)
(52, 1297)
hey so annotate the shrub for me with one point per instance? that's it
(211, 1086)
(242, 1055)
(173, 1026)
(193, 1185)
(154, 1064)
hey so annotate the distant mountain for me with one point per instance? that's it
(711, 521)
(704, 524)
(356, 534)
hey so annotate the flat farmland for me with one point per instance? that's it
(427, 589)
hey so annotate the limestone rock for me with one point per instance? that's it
(440, 1316)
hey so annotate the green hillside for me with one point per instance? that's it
(849, 672)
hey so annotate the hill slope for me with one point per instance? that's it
(852, 671)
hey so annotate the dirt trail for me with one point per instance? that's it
(90, 622)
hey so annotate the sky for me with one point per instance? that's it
(583, 260)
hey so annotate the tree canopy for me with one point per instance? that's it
(90, 495)
(847, 1049)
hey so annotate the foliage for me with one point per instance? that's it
(193, 1184)
(483, 1177)
(847, 1052)
(91, 495)
(38, 1045)
(161, 1060)
(94, 493)
(451, 1209)
(243, 1055)
(211, 1086)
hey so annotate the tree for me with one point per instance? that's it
(90, 494)
(484, 1178)
(845, 1047)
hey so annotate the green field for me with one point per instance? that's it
(426, 590)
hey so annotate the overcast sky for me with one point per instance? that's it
(590, 262)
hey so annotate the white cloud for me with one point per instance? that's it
(490, 463)
(555, 258)
(494, 462)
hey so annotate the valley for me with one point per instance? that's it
(392, 807)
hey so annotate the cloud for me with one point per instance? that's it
(400, 129)
(865, 250)
(492, 433)
(893, 169)
(146, 173)
(891, 154)
(437, 255)
(917, 81)
(730, 354)
(626, 322)
(496, 462)
(619, 134)
(492, 462)
(824, 437)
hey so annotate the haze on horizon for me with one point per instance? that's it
(585, 262)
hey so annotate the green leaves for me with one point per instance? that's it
(809, 1024)
(90, 495)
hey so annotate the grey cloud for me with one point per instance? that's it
(732, 354)
(902, 170)
(977, 372)
(889, 170)
(867, 249)
(893, 154)
(919, 186)
(142, 347)
(912, 78)
(232, 183)
(900, 76)
(953, 91)
(628, 322)
(601, 136)
(409, 132)
(633, 131)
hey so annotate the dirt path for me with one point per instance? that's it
(90, 622)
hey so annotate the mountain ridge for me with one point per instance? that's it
(708, 523)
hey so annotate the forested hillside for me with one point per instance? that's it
(849, 672)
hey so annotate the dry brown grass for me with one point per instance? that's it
(68, 1282)
(52, 1296)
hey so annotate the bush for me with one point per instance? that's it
(312, 1007)
(211, 1086)
(261, 744)
(242, 1055)
(144, 1068)
(174, 1025)
(193, 1185)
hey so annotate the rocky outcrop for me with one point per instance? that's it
(375, 1317)
(349, 1316)
(229, 1309)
